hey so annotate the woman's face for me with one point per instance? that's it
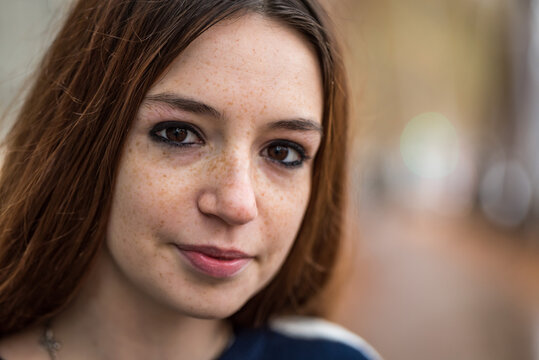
(216, 172)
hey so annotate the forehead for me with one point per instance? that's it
(252, 62)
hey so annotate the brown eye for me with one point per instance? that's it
(285, 153)
(176, 134)
(278, 152)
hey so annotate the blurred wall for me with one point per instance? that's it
(26, 29)
(438, 90)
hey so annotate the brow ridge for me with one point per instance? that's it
(298, 124)
(184, 104)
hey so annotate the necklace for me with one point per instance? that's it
(48, 341)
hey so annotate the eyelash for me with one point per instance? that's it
(174, 125)
(163, 127)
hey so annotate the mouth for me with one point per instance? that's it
(215, 262)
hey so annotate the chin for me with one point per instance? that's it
(213, 303)
(215, 312)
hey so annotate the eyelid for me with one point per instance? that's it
(175, 124)
(298, 147)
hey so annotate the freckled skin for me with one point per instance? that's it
(223, 193)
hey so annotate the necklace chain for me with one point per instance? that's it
(48, 341)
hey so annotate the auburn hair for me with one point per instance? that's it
(63, 151)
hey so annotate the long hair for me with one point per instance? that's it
(62, 153)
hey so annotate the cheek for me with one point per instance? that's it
(283, 213)
(147, 197)
(281, 223)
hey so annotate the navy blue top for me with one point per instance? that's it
(268, 344)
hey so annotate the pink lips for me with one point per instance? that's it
(215, 262)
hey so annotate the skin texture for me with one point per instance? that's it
(224, 192)
(226, 189)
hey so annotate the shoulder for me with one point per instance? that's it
(324, 336)
(300, 337)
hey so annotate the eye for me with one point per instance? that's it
(176, 134)
(285, 153)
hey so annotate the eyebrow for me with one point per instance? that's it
(299, 124)
(197, 107)
(184, 104)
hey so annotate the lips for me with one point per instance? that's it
(215, 262)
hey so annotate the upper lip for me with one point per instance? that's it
(214, 251)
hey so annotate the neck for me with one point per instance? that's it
(106, 321)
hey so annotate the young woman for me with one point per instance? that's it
(173, 186)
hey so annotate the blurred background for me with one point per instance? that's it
(444, 180)
(444, 177)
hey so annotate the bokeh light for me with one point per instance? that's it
(429, 145)
(506, 193)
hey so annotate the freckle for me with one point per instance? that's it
(137, 143)
(165, 176)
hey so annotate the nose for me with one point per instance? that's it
(230, 194)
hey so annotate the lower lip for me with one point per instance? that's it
(217, 268)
